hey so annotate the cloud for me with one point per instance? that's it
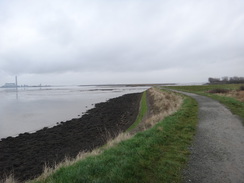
(46, 37)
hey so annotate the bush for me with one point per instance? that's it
(218, 90)
(242, 88)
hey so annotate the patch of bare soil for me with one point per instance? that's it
(26, 155)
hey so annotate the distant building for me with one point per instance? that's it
(9, 85)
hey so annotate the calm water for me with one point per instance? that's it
(31, 109)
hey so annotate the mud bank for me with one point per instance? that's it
(25, 155)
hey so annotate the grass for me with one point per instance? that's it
(82, 155)
(155, 155)
(235, 106)
(161, 104)
(204, 88)
(142, 112)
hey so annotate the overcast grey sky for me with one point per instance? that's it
(120, 41)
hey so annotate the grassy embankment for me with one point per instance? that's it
(142, 111)
(155, 155)
(232, 99)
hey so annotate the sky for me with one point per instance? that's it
(75, 42)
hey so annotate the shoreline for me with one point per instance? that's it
(35, 109)
(27, 154)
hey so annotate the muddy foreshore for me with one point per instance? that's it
(24, 156)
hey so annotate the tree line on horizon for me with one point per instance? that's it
(226, 80)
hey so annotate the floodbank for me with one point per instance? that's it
(25, 156)
(156, 152)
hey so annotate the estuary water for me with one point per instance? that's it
(33, 108)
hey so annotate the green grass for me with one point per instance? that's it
(235, 106)
(155, 155)
(204, 88)
(142, 112)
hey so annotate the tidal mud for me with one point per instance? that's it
(24, 156)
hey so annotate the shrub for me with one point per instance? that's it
(218, 90)
(242, 88)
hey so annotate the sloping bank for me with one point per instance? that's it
(157, 154)
(26, 155)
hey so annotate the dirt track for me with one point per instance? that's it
(26, 154)
(218, 148)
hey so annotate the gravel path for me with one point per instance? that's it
(217, 153)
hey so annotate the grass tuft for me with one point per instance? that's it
(10, 179)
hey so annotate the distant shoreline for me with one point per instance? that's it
(105, 85)
(132, 85)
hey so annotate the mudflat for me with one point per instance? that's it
(26, 155)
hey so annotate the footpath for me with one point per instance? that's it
(217, 153)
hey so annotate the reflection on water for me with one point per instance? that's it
(17, 93)
(30, 109)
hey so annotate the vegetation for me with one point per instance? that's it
(233, 100)
(142, 111)
(161, 104)
(219, 90)
(155, 155)
(226, 80)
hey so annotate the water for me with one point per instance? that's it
(31, 109)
